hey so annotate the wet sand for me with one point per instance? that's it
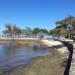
(2, 41)
(43, 66)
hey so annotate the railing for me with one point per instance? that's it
(26, 37)
(18, 36)
(69, 60)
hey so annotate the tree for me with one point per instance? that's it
(44, 31)
(70, 20)
(27, 31)
(16, 30)
(12, 30)
(36, 31)
(39, 31)
(53, 32)
(8, 29)
(66, 21)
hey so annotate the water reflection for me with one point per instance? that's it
(12, 55)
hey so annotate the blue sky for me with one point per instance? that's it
(34, 13)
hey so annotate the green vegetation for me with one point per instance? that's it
(12, 30)
(61, 26)
(66, 21)
(27, 31)
(39, 31)
(60, 29)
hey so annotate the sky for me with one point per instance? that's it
(34, 13)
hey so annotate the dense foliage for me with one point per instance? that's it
(12, 30)
(61, 26)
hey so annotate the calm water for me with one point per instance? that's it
(11, 56)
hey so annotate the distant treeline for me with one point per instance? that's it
(61, 28)
(13, 29)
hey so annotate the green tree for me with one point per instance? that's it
(53, 32)
(57, 31)
(27, 31)
(44, 31)
(70, 20)
(12, 30)
(36, 31)
(39, 31)
(16, 30)
(66, 21)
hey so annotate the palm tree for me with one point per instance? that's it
(16, 30)
(11, 30)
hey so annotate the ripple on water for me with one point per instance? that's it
(11, 56)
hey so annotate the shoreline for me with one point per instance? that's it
(47, 62)
(32, 68)
(57, 44)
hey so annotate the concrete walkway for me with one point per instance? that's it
(72, 69)
(63, 50)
